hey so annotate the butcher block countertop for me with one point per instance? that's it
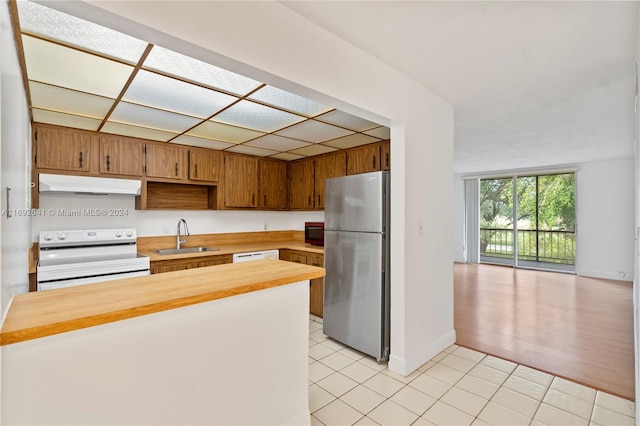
(44, 313)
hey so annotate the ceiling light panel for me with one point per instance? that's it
(351, 141)
(68, 101)
(182, 66)
(277, 143)
(151, 89)
(285, 100)
(137, 132)
(348, 121)
(250, 150)
(223, 132)
(201, 142)
(287, 156)
(50, 23)
(381, 132)
(150, 117)
(313, 150)
(258, 117)
(313, 131)
(62, 66)
(67, 120)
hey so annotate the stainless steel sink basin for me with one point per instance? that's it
(185, 250)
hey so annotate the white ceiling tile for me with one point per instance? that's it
(257, 117)
(68, 101)
(381, 132)
(66, 67)
(348, 121)
(223, 132)
(136, 132)
(277, 143)
(313, 131)
(287, 156)
(313, 150)
(67, 120)
(250, 150)
(52, 24)
(151, 117)
(350, 141)
(201, 142)
(289, 101)
(179, 65)
(149, 88)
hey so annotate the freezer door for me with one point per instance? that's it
(355, 203)
(354, 291)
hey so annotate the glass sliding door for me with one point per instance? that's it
(496, 221)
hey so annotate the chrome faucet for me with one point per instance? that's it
(179, 242)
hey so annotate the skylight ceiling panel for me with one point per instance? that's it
(287, 156)
(137, 115)
(351, 141)
(342, 119)
(67, 120)
(285, 100)
(223, 132)
(250, 150)
(188, 68)
(312, 150)
(151, 89)
(201, 142)
(257, 117)
(137, 132)
(68, 101)
(381, 132)
(52, 24)
(277, 143)
(65, 67)
(313, 131)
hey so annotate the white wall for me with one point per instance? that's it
(459, 251)
(273, 44)
(16, 144)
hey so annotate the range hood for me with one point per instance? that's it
(88, 185)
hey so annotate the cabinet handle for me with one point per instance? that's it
(387, 159)
(253, 199)
(373, 164)
(80, 159)
(196, 172)
(108, 162)
(318, 199)
(309, 200)
(265, 199)
(176, 169)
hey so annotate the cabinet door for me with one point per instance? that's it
(166, 161)
(121, 156)
(63, 149)
(301, 183)
(273, 184)
(363, 159)
(218, 260)
(240, 181)
(328, 166)
(298, 257)
(385, 155)
(170, 266)
(205, 164)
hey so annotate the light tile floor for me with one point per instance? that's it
(457, 387)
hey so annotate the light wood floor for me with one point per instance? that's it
(570, 326)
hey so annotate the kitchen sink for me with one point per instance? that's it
(185, 250)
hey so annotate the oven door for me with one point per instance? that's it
(89, 280)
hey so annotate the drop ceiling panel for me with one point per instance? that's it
(310, 150)
(287, 156)
(313, 131)
(201, 142)
(68, 120)
(151, 117)
(285, 100)
(69, 29)
(257, 117)
(277, 143)
(348, 121)
(223, 132)
(62, 66)
(351, 141)
(380, 132)
(149, 88)
(179, 65)
(68, 101)
(137, 132)
(250, 150)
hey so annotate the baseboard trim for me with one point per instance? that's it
(605, 275)
(406, 366)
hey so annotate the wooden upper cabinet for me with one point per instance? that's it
(63, 149)
(301, 184)
(121, 156)
(273, 184)
(205, 164)
(363, 159)
(385, 155)
(166, 161)
(240, 181)
(328, 166)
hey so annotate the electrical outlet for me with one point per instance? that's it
(265, 226)
(165, 230)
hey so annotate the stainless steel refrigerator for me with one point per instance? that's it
(356, 260)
